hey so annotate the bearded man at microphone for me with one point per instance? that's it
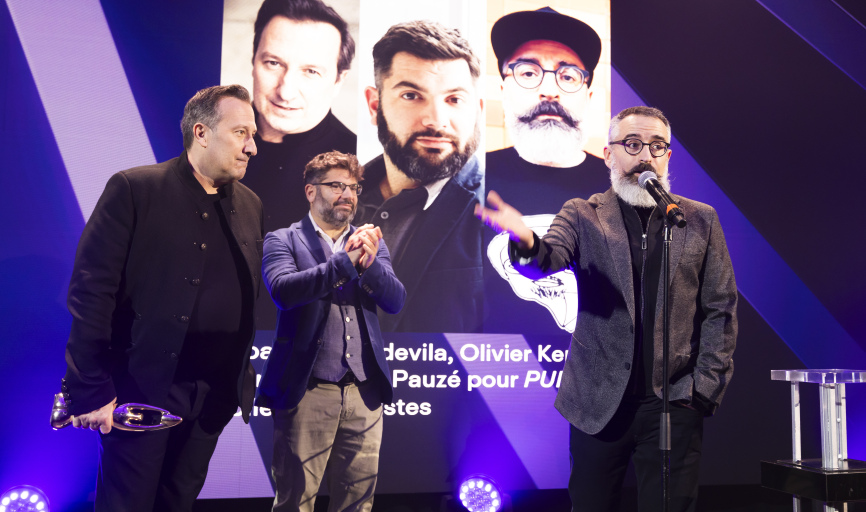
(612, 383)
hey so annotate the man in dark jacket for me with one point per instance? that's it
(162, 297)
(326, 377)
(611, 389)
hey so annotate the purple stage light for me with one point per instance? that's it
(24, 498)
(479, 493)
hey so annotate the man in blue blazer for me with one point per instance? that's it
(326, 378)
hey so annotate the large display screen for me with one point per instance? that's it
(475, 376)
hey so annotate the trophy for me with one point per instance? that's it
(132, 417)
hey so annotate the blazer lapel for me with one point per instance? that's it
(309, 237)
(678, 245)
(610, 218)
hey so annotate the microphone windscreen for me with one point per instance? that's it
(645, 177)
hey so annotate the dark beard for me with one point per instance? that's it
(336, 218)
(418, 166)
(552, 108)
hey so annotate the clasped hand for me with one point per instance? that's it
(363, 245)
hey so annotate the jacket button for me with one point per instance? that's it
(195, 282)
(203, 247)
(174, 356)
(627, 366)
(319, 341)
(138, 316)
(184, 319)
(204, 216)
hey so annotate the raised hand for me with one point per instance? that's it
(364, 240)
(371, 247)
(504, 218)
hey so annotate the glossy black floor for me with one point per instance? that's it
(741, 498)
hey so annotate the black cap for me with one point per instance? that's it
(512, 30)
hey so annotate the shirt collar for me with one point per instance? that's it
(433, 190)
(335, 245)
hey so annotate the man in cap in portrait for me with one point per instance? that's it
(546, 60)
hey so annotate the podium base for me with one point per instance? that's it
(807, 479)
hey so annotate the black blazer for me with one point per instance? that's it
(136, 280)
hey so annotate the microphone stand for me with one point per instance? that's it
(665, 425)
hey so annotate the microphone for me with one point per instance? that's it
(648, 181)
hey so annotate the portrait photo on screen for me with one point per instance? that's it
(548, 109)
(420, 137)
(302, 73)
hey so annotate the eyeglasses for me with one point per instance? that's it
(530, 75)
(635, 146)
(338, 187)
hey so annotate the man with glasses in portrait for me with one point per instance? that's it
(546, 60)
(611, 385)
(326, 377)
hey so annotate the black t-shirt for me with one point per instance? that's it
(220, 324)
(646, 261)
(533, 190)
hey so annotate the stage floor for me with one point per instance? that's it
(723, 498)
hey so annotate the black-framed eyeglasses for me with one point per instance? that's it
(529, 75)
(338, 187)
(635, 146)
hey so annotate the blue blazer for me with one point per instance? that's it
(300, 279)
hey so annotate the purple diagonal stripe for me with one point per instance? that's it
(536, 431)
(763, 277)
(84, 91)
(830, 30)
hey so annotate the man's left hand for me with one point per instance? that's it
(371, 247)
(366, 240)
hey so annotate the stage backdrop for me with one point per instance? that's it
(764, 106)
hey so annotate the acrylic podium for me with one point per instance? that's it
(834, 478)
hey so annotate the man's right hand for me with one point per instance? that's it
(368, 235)
(503, 218)
(102, 418)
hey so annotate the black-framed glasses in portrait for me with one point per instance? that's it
(529, 75)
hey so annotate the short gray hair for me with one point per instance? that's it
(636, 111)
(202, 108)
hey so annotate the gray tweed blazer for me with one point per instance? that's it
(589, 237)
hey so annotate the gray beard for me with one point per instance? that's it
(549, 141)
(336, 218)
(630, 192)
